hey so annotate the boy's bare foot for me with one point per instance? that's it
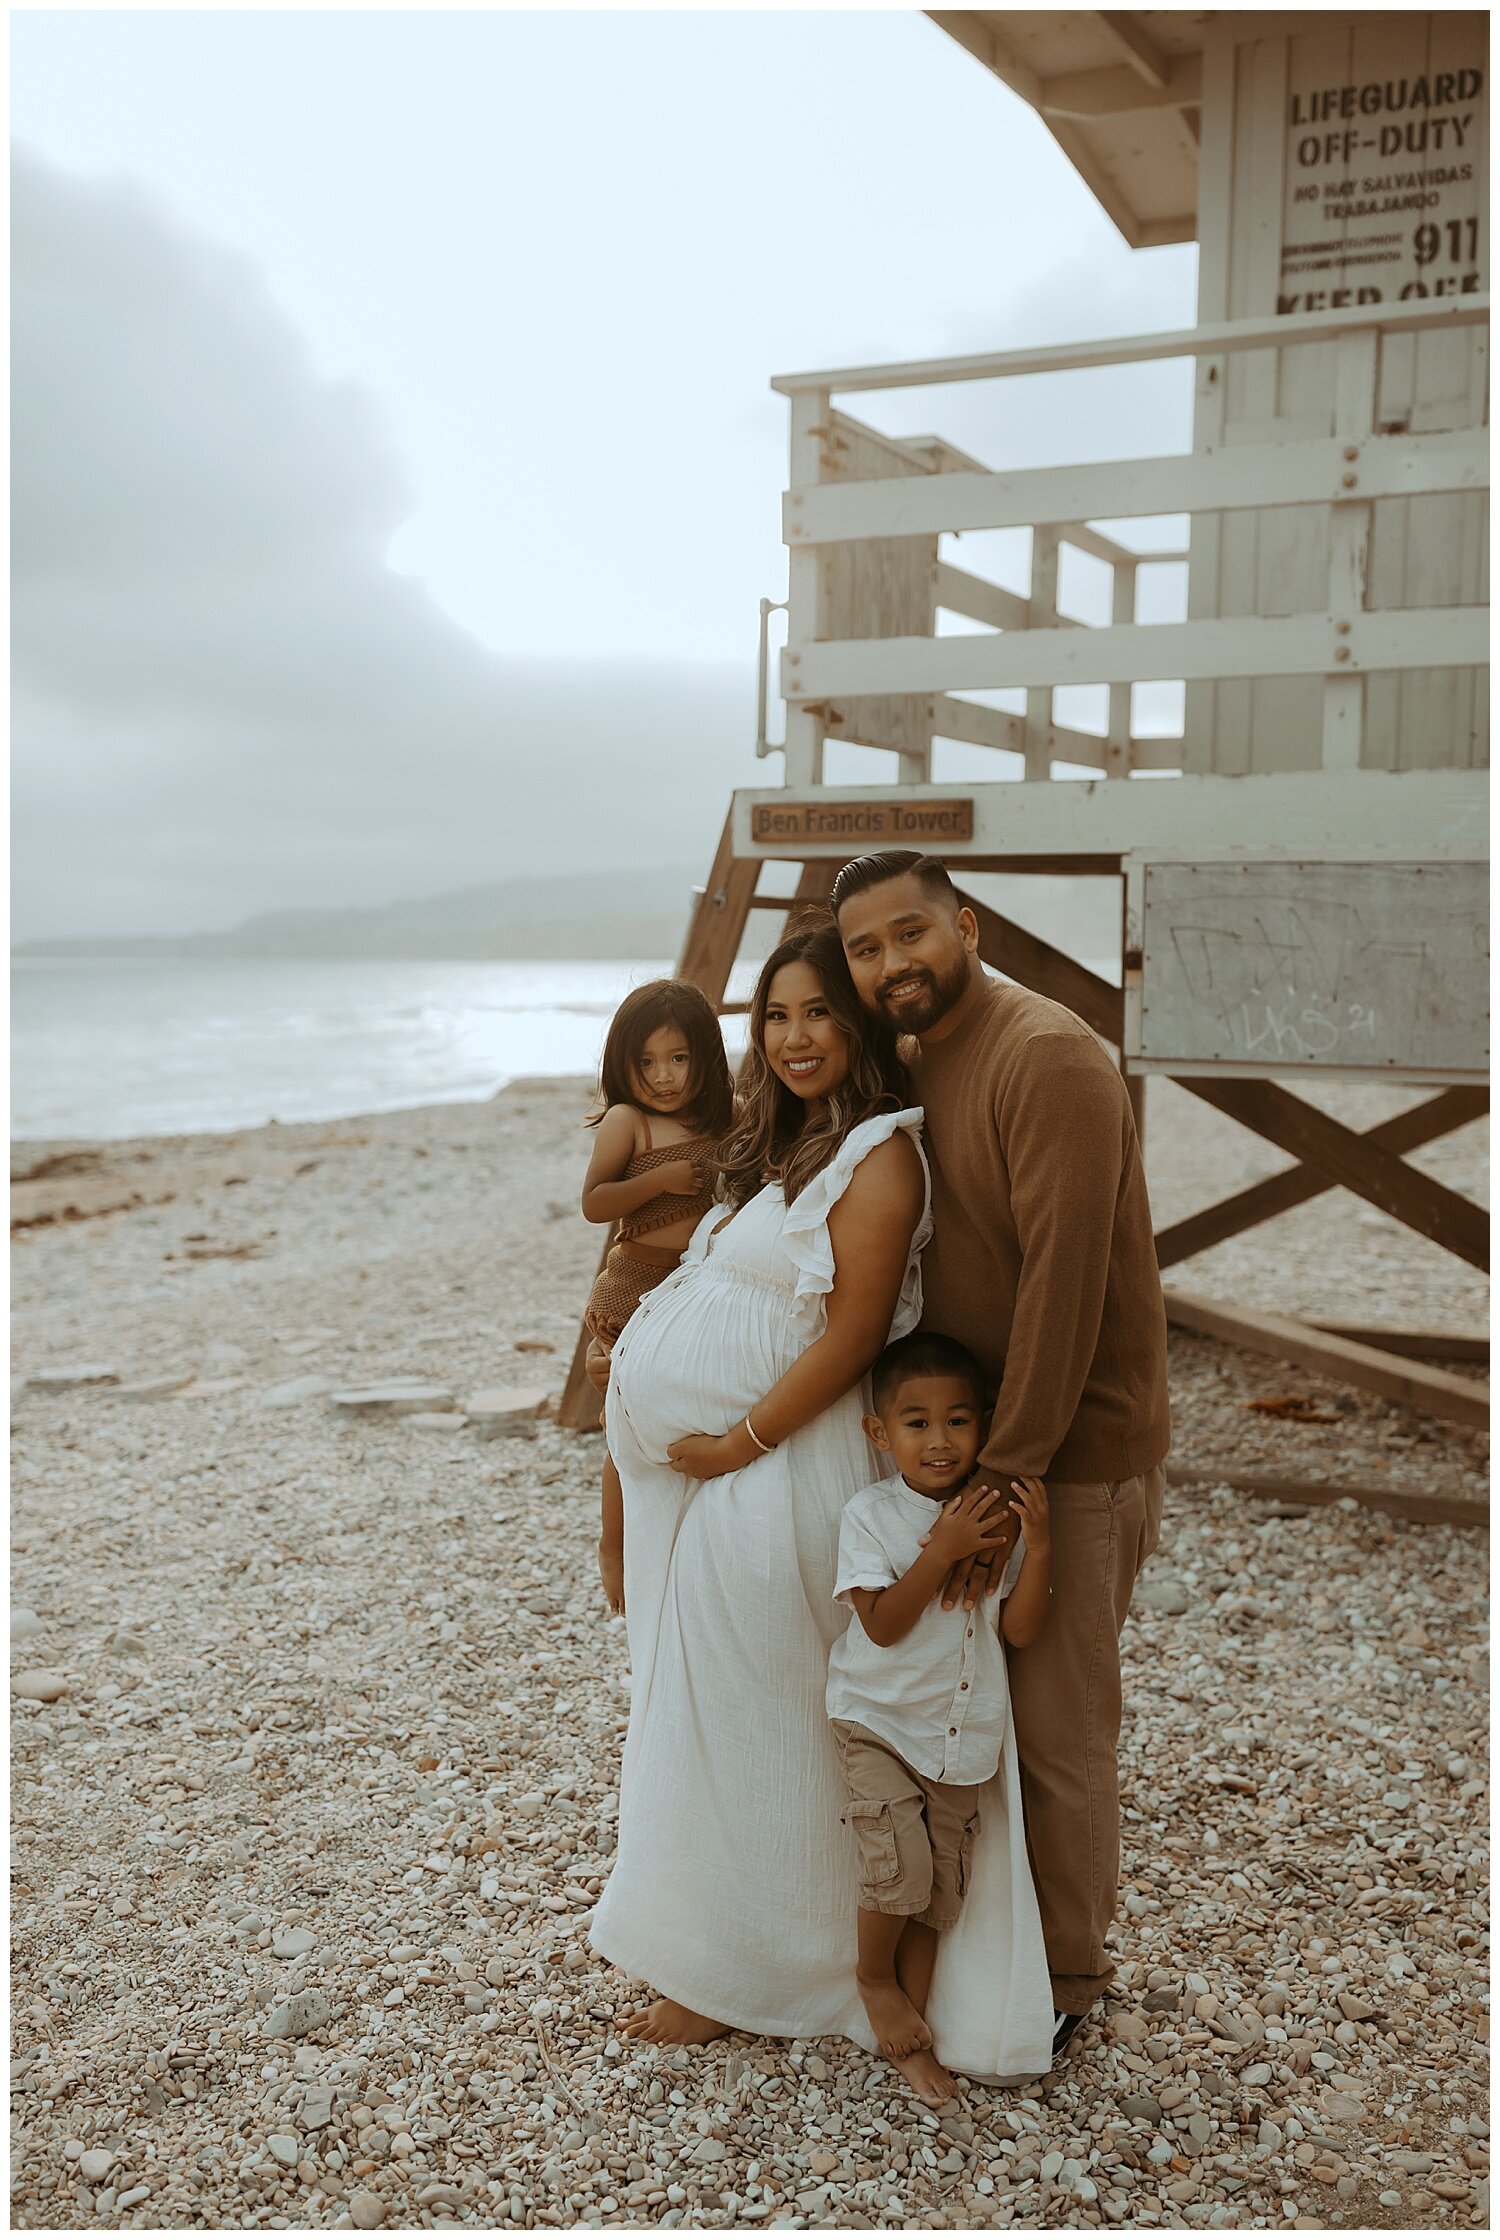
(898, 2027)
(666, 2023)
(926, 2075)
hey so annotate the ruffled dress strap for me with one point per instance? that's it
(809, 1247)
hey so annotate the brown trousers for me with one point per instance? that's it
(1065, 1700)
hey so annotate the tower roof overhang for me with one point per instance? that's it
(1119, 93)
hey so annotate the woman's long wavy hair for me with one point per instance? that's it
(776, 1136)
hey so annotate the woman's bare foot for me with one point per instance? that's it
(926, 2075)
(666, 2023)
(898, 2027)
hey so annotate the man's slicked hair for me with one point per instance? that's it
(893, 863)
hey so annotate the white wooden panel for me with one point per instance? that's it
(1355, 374)
(1362, 968)
(982, 601)
(1441, 814)
(1242, 331)
(1290, 564)
(1233, 703)
(1042, 602)
(1380, 163)
(974, 725)
(1117, 760)
(1385, 586)
(1272, 564)
(1427, 719)
(1319, 54)
(1248, 646)
(1270, 473)
(1444, 389)
(804, 730)
(875, 587)
(1249, 294)
(1257, 250)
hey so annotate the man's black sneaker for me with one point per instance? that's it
(1064, 2026)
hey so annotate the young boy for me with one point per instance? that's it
(917, 1694)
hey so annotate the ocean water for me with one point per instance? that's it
(122, 1046)
(137, 1047)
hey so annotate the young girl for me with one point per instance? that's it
(665, 1099)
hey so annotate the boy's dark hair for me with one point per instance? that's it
(668, 1003)
(891, 863)
(926, 1353)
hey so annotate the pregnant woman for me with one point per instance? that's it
(734, 1417)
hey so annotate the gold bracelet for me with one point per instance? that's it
(755, 1435)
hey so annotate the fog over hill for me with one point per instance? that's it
(611, 914)
(607, 914)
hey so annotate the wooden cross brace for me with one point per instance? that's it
(1330, 1155)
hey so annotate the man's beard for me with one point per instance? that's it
(940, 993)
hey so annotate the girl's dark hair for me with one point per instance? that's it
(775, 1136)
(668, 1003)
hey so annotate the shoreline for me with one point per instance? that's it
(47, 1146)
(192, 1047)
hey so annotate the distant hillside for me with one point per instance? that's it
(607, 914)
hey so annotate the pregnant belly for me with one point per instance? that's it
(696, 1354)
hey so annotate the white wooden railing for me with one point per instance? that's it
(1026, 644)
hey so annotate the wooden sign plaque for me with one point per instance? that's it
(863, 825)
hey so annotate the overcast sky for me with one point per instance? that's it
(394, 466)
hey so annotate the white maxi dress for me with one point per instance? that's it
(734, 1888)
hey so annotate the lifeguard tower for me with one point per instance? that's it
(1302, 869)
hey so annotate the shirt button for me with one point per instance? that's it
(963, 1684)
(970, 1634)
(953, 1730)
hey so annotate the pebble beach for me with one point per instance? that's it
(317, 1713)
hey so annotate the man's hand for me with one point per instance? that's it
(1029, 1507)
(974, 1577)
(612, 1575)
(972, 1524)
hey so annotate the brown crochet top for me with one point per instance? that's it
(670, 1205)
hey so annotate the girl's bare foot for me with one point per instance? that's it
(612, 1575)
(898, 2027)
(926, 2075)
(666, 2023)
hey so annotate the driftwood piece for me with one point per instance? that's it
(1434, 1392)
(1320, 1493)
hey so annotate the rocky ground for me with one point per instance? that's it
(319, 1715)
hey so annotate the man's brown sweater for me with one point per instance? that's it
(1042, 1260)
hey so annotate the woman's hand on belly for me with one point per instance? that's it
(703, 1455)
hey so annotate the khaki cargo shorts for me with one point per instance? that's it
(914, 1837)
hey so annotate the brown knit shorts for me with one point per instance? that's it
(630, 1271)
(914, 1837)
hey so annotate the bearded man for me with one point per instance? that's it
(1043, 1264)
